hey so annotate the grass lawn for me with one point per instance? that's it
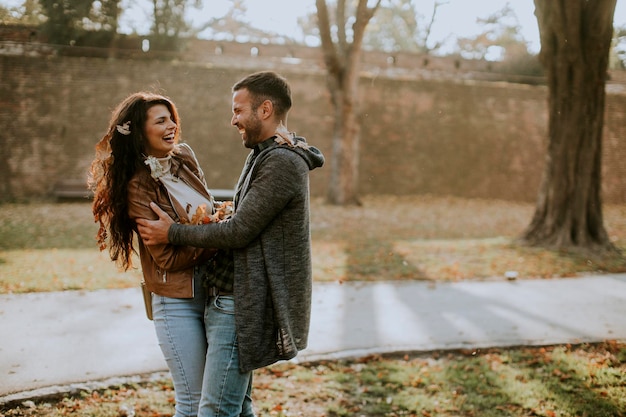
(51, 247)
(552, 381)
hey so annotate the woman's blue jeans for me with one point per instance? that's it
(179, 324)
(225, 391)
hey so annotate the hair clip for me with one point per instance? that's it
(124, 128)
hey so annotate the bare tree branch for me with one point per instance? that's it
(328, 47)
(429, 26)
(341, 27)
(363, 16)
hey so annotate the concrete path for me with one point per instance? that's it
(51, 339)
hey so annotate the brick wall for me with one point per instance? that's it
(453, 137)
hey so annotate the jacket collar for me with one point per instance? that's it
(266, 144)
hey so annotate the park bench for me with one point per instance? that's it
(77, 189)
(71, 190)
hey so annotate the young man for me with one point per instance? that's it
(266, 318)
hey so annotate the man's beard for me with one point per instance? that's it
(252, 133)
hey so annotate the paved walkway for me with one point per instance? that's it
(55, 339)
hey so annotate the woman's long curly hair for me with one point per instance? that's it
(119, 155)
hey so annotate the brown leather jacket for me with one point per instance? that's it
(168, 269)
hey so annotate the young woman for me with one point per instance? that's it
(140, 160)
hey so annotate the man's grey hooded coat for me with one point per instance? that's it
(270, 235)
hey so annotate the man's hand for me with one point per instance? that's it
(154, 232)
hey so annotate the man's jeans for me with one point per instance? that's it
(225, 391)
(179, 324)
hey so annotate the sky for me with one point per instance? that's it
(280, 16)
(457, 16)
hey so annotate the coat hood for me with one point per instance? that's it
(312, 155)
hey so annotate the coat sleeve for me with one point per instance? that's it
(277, 179)
(168, 257)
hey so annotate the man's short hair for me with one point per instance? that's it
(267, 85)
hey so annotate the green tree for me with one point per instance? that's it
(7, 15)
(104, 15)
(28, 13)
(575, 42)
(63, 19)
(170, 26)
(67, 21)
(341, 46)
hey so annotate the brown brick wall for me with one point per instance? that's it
(465, 138)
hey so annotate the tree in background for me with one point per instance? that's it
(575, 42)
(67, 21)
(235, 26)
(170, 26)
(105, 15)
(501, 37)
(341, 46)
(398, 26)
(28, 13)
(618, 51)
(63, 19)
(501, 40)
(96, 22)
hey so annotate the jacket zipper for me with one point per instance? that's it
(193, 273)
(169, 197)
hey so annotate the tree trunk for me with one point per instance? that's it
(343, 187)
(575, 41)
(342, 62)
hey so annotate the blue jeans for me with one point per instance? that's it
(179, 324)
(225, 391)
